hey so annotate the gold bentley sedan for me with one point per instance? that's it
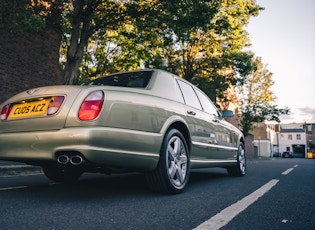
(147, 121)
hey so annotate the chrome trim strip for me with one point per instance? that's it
(214, 146)
(212, 161)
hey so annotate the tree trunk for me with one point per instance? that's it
(79, 38)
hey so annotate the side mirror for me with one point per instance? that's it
(227, 113)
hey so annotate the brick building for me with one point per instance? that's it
(28, 61)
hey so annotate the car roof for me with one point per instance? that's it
(162, 84)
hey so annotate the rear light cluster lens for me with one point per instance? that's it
(54, 105)
(91, 106)
(5, 112)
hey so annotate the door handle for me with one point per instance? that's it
(191, 113)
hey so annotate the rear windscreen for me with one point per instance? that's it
(138, 79)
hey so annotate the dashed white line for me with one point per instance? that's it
(286, 172)
(226, 215)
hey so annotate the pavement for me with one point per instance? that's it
(9, 168)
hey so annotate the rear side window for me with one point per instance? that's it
(189, 95)
(207, 104)
(138, 79)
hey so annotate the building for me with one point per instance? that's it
(310, 139)
(265, 139)
(293, 140)
(274, 139)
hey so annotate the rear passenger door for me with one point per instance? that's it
(201, 125)
(221, 135)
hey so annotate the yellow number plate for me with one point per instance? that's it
(29, 109)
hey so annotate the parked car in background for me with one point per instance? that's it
(276, 154)
(148, 121)
(287, 154)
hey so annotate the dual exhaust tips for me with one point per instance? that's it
(74, 160)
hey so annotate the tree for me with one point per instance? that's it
(148, 28)
(201, 41)
(257, 99)
(211, 56)
(27, 16)
(87, 20)
(83, 18)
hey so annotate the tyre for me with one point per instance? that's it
(58, 174)
(172, 172)
(240, 168)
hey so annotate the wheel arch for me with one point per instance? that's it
(161, 179)
(182, 127)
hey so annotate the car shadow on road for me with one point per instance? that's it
(92, 186)
(199, 175)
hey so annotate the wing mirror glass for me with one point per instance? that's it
(227, 113)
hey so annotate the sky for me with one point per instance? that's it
(283, 35)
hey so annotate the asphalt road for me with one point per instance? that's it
(275, 194)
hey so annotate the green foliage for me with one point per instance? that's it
(149, 29)
(256, 98)
(19, 16)
(86, 22)
(201, 41)
(207, 51)
(29, 16)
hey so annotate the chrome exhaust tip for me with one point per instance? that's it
(76, 160)
(63, 159)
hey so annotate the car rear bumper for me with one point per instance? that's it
(98, 145)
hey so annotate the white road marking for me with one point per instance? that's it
(295, 166)
(226, 215)
(286, 172)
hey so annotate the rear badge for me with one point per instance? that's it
(31, 91)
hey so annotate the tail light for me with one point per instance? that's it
(91, 106)
(5, 112)
(54, 105)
